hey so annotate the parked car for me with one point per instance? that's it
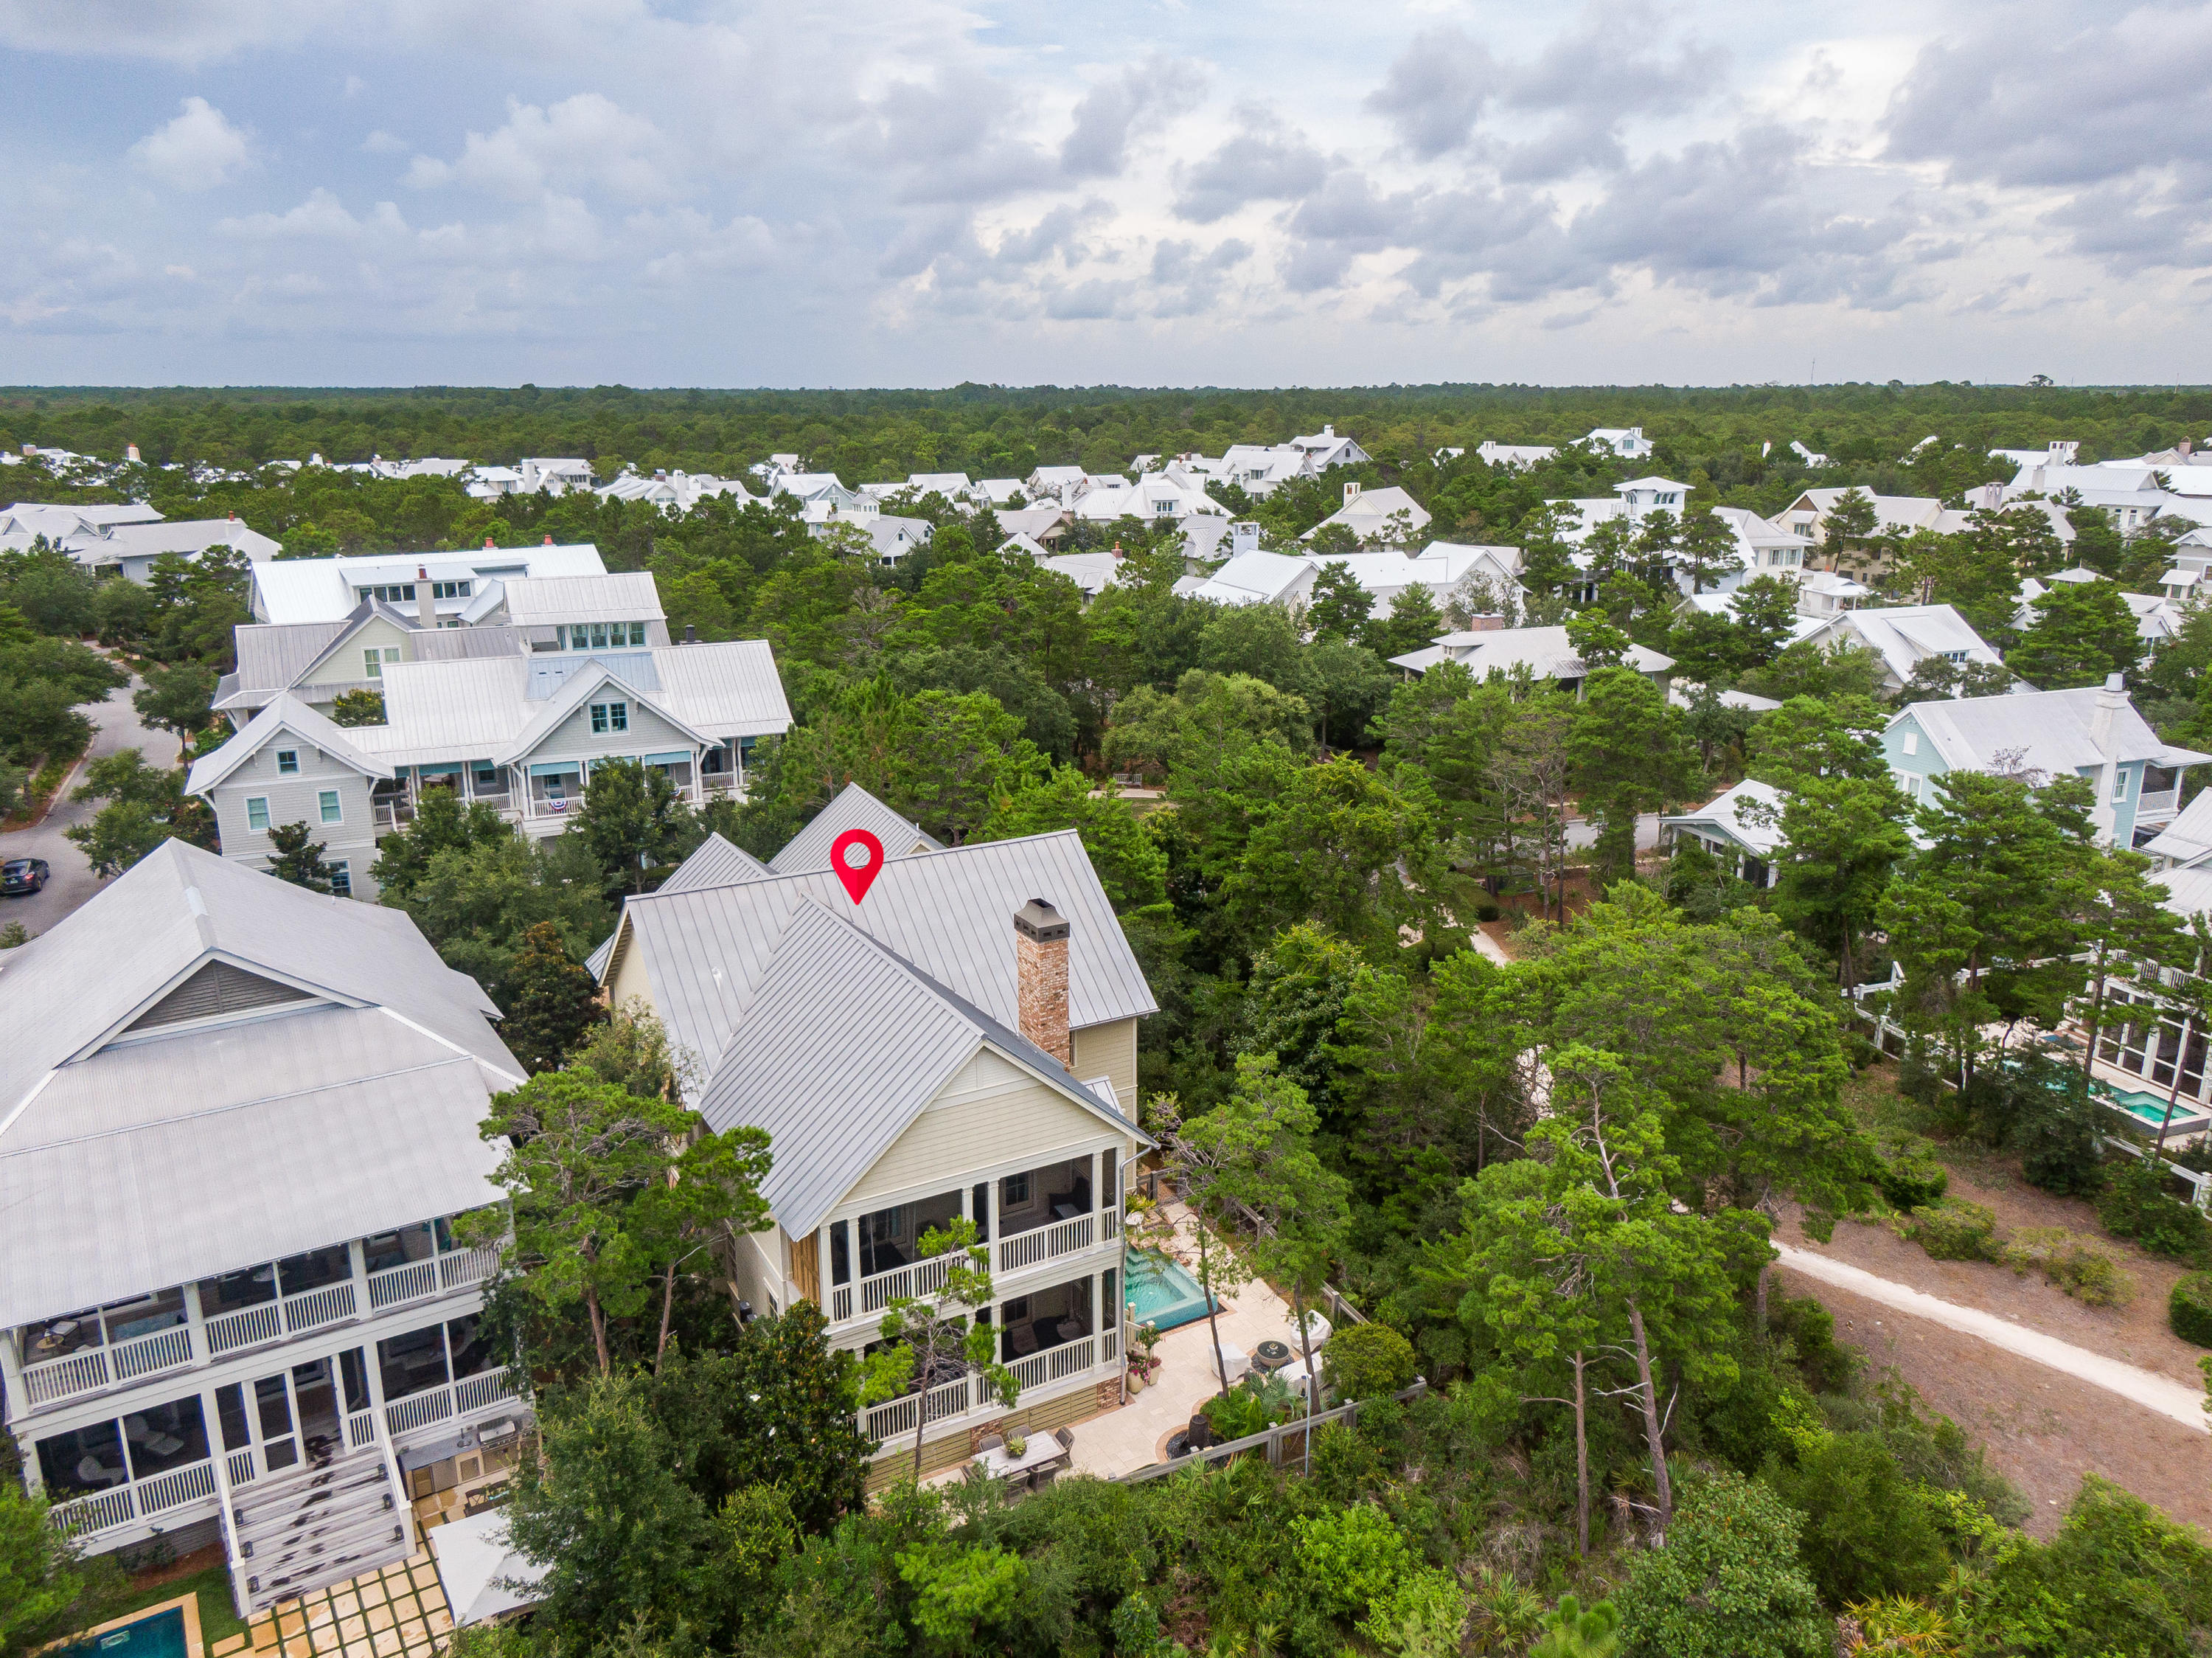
(22, 875)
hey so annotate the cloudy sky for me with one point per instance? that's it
(375, 191)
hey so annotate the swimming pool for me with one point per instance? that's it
(161, 1635)
(1161, 1293)
(2149, 1110)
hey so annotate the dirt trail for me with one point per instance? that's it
(2169, 1398)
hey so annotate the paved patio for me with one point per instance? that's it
(396, 1612)
(1135, 1435)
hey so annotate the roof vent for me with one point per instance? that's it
(690, 634)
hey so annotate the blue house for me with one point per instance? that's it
(2092, 733)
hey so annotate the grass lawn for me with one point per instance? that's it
(217, 1621)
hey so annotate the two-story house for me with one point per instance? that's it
(288, 590)
(2093, 733)
(518, 727)
(961, 1041)
(237, 1122)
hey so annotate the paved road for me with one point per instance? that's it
(2160, 1393)
(73, 882)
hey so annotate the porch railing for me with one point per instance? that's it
(141, 1499)
(96, 1368)
(361, 1430)
(895, 1416)
(313, 1308)
(241, 1467)
(1056, 1364)
(1045, 1243)
(395, 1286)
(2156, 801)
(453, 1398)
(919, 1278)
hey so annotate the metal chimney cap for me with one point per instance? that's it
(1038, 921)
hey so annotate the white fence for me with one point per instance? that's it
(1045, 1243)
(462, 1397)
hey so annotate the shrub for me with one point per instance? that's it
(1911, 1177)
(2119, 1577)
(2189, 1308)
(2083, 1268)
(1488, 910)
(1954, 1230)
(1367, 1361)
(1867, 1533)
(1351, 1556)
(2135, 1204)
(1826, 1366)
(1728, 1581)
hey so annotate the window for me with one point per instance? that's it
(1910, 744)
(287, 759)
(449, 589)
(341, 878)
(256, 812)
(1014, 1191)
(2119, 784)
(327, 799)
(610, 717)
(637, 633)
(397, 593)
(373, 659)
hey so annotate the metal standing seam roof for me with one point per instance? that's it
(285, 712)
(948, 914)
(716, 863)
(1548, 652)
(2188, 839)
(854, 808)
(272, 655)
(846, 1044)
(2049, 730)
(322, 589)
(1724, 814)
(545, 600)
(580, 686)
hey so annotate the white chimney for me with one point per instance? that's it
(426, 604)
(131, 453)
(1350, 492)
(2111, 699)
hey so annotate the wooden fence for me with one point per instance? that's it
(1285, 1439)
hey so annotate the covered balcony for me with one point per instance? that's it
(108, 1473)
(1043, 1214)
(96, 1348)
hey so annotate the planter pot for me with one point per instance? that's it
(1136, 1382)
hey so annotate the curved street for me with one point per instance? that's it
(118, 728)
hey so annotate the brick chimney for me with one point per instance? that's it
(426, 603)
(1041, 975)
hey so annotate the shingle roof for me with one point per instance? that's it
(717, 862)
(846, 1045)
(283, 712)
(854, 807)
(949, 913)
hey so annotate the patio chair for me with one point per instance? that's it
(1043, 1478)
(990, 1442)
(1066, 1436)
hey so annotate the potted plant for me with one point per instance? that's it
(1017, 1443)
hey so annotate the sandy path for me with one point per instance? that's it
(2160, 1393)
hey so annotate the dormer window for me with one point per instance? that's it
(287, 761)
(610, 717)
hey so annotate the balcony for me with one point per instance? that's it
(136, 1499)
(2153, 805)
(451, 1400)
(972, 1395)
(88, 1372)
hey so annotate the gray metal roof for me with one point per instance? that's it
(450, 644)
(129, 1164)
(544, 600)
(948, 914)
(548, 673)
(284, 713)
(847, 1043)
(2048, 731)
(589, 681)
(854, 807)
(717, 862)
(272, 655)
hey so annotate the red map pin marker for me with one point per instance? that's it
(858, 858)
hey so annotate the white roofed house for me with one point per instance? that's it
(960, 1042)
(1261, 469)
(1546, 653)
(1903, 636)
(1173, 493)
(125, 540)
(582, 675)
(2093, 733)
(1387, 518)
(1627, 441)
(1741, 826)
(891, 536)
(328, 589)
(1326, 449)
(1494, 454)
(238, 1121)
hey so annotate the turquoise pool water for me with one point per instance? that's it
(2149, 1109)
(161, 1635)
(1161, 1293)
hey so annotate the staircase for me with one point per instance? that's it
(309, 1527)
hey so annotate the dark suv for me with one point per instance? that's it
(22, 875)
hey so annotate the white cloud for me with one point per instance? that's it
(586, 140)
(198, 150)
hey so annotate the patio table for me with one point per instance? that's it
(1042, 1450)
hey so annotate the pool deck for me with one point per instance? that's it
(1121, 1441)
